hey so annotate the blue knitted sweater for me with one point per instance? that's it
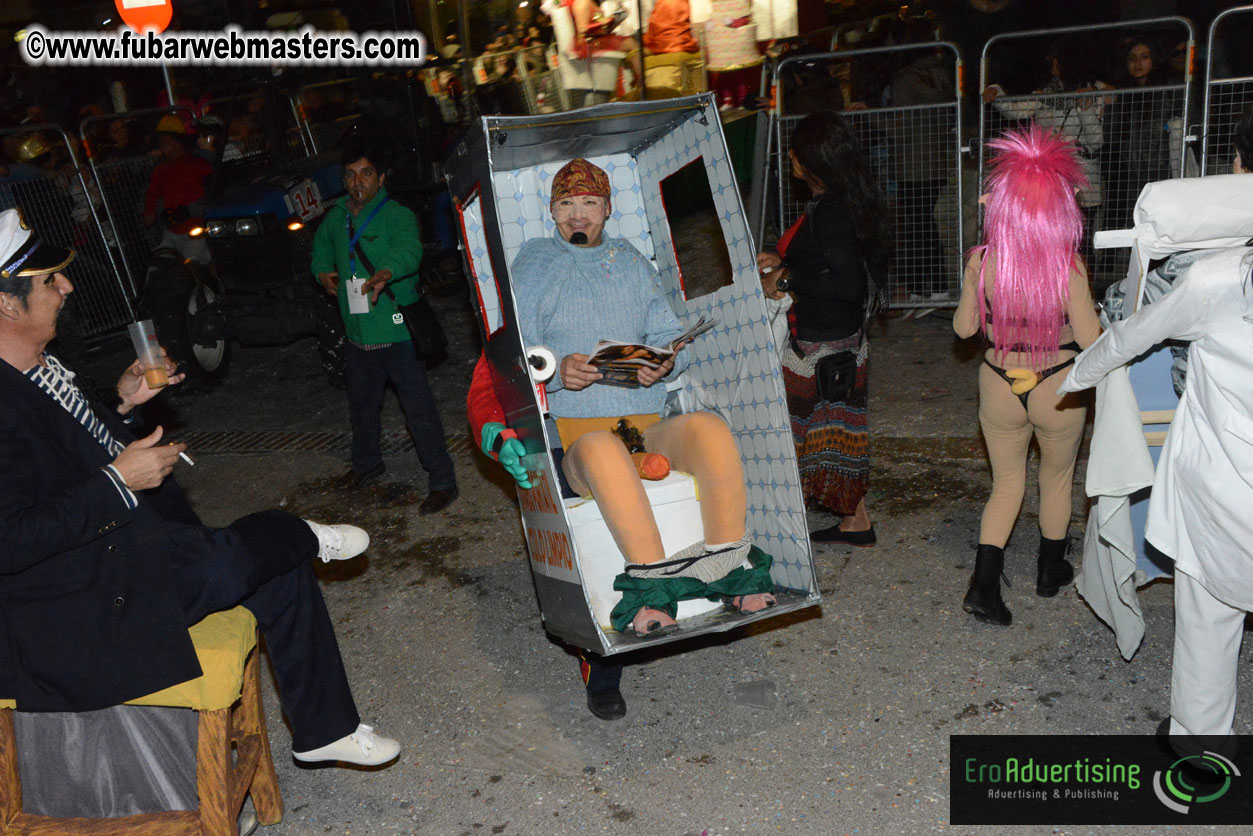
(569, 298)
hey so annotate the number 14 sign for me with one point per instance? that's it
(304, 201)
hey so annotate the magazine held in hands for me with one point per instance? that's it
(620, 363)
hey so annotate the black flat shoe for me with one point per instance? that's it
(437, 501)
(607, 704)
(852, 538)
(352, 480)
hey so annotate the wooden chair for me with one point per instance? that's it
(228, 701)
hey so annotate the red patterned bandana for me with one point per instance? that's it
(579, 177)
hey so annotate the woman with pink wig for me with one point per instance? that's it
(1026, 291)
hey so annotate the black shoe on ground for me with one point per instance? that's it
(983, 598)
(607, 704)
(835, 534)
(437, 501)
(352, 480)
(1053, 570)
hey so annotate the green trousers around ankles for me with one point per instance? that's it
(666, 593)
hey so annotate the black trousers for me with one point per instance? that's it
(368, 374)
(600, 673)
(262, 561)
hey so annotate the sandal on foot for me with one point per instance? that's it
(752, 604)
(650, 623)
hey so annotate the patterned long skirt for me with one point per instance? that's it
(832, 438)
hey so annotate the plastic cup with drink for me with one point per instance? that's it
(148, 348)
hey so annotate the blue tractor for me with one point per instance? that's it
(263, 202)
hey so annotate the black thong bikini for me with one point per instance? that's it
(1041, 376)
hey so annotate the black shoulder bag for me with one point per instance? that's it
(425, 332)
(836, 373)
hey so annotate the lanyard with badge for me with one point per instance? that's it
(358, 301)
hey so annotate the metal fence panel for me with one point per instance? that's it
(540, 82)
(1126, 137)
(443, 84)
(62, 202)
(1228, 90)
(245, 136)
(121, 163)
(914, 152)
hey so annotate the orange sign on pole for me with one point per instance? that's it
(146, 15)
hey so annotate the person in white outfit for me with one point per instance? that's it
(1199, 513)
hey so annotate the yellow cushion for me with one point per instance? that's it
(223, 641)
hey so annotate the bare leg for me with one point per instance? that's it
(701, 443)
(633, 57)
(1058, 421)
(598, 464)
(1007, 433)
(859, 520)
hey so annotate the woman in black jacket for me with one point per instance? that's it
(836, 259)
(1137, 129)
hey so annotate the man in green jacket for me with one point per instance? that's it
(368, 242)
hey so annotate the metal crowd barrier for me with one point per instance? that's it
(914, 152)
(500, 87)
(339, 100)
(62, 202)
(540, 82)
(239, 108)
(1127, 137)
(443, 84)
(119, 150)
(1228, 92)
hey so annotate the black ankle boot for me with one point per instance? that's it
(1053, 571)
(983, 599)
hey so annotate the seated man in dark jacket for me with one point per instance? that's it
(104, 565)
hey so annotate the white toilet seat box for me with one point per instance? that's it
(677, 511)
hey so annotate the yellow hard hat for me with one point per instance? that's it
(32, 148)
(171, 124)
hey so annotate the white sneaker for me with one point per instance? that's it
(339, 542)
(362, 747)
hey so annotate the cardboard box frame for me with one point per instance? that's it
(499, 176)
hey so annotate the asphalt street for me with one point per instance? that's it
(835, 720)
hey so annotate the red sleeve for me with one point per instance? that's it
(482, 405)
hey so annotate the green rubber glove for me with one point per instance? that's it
(509, 452)
(488, 435)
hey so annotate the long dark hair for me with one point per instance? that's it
(829, 152)
(1155, 76)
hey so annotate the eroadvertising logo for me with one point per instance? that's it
(1177, 785)
(1091, 779)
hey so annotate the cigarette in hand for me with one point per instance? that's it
(186, 458)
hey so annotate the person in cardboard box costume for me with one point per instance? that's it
(572, 290)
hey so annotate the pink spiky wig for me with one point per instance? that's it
(1033, 225)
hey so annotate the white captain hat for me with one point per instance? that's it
(23, 253)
